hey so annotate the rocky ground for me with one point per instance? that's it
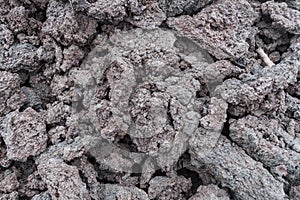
(145, 99)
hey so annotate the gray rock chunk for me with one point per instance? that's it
(20, 56)
(237, 171)
(164, 188)
(177, 7)
(266, 140)
(9, 181)
(113, 11)
(293, 106)
(57, 133)
(6, 36)
(249, 93)
(210, 192)
(145, 14)
(72, 57)
(113, 191)
(11, 196)
(42, 196)
(283, 16)
(142, 84)
(210, 127)
(19, 145)
(295, 192)
(57, 112)
(223, 33)
(33, 185)
(67, 27)
(62, 180)
(11, 97)
(18, 20)
(91, 176)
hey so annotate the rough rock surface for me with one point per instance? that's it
(210, 192)
(283, 16)
(240, 173)
(164, 188)
(24, 134)
(219, 28)
(67, 27)
(11, 97)
(112, 191)
(62, 180)
(266, 140)
(149, 99)
(9, 181)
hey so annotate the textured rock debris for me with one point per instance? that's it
(149, 99)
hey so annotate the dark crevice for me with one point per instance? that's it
(169, 116)
(103, 176)
(195, 179)
(229, 191)
(84, 179)
(25, 169)
(225, 131)
(25, 77)
(294, 91)
(240, 62)
(287, 188)
(127, 144)
(159, 172)
(212, 56)
(204, 92)
(164, 25)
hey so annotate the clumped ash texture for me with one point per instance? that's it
(149, 99)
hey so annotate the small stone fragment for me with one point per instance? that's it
(42, 196)
(210, 192)
(164, 188)
(235, 169)
(113, 191)
(219, 28)
(62, 180)
(19, 145)
(11, 196)
(295, 192)
(11, 97)
(66, 26)
(282, 16)
(8, 181)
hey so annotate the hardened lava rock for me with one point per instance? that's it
(283, 16)
(9, 181)
(62, 180)
(145, 85)
(11, 97)
(222, 28)
(100, 99)
(146, 14)
(267, 140)
(66, 26)
(19, 145)
(164, 188)
(210, 192)
(240, 173)
(113, 191)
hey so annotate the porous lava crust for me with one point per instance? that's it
(149, 99)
